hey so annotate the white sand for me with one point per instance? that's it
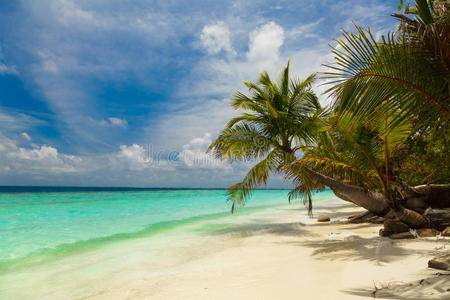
(289, 260)
(275, 254)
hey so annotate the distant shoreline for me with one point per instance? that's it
(65, 189)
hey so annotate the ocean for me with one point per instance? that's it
(44, 226)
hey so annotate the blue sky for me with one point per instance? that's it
(130, 93)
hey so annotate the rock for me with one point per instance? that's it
(367, 217)
(427, 232)
(402, 235)
(393, 226)
(441, 263)
(355, 218)
(323, 219)
(446, 231)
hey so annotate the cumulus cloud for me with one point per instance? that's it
(39, 160)
(215, 38)
(265, 43)
(219, 77)
(133, 157)
(193, 154)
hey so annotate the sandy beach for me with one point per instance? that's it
(272, 254)
(224, 150)
(291, 260)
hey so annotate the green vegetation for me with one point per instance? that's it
(279, 119)
(383, 144)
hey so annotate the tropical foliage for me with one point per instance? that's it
(388, 125)
(276, 119)
(354, 154)
(406, 75)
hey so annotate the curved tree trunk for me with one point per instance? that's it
(372, 201)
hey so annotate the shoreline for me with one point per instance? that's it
(275, 253)
(309, 260)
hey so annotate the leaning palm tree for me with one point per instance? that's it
(276, 119)
(351, 159)
(404, 79)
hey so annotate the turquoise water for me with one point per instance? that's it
(38, 223)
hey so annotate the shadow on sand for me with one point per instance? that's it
(264, 226)
(353, 247)
(434, 287)
(379, 250)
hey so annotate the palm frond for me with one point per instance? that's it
(345, 172)
(242, 141)
(277, 119)
(371, 78)
(258, 175)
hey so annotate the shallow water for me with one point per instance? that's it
(49, 239)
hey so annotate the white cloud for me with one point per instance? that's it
(133, 157)
(26, 136)
(42, 153)
(133, 165)
(216, 78)
(118, 122)
(193, 154)
(93, 43)
(215, 38)
(41, 159)
(265, 43)
(220, 77)
(110, 122)
(180, 127)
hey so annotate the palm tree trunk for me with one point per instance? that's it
(372, 201)
(411, 218)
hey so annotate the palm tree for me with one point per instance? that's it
(406, 75)
(276, 120)
(350, 158)
(383, 87)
